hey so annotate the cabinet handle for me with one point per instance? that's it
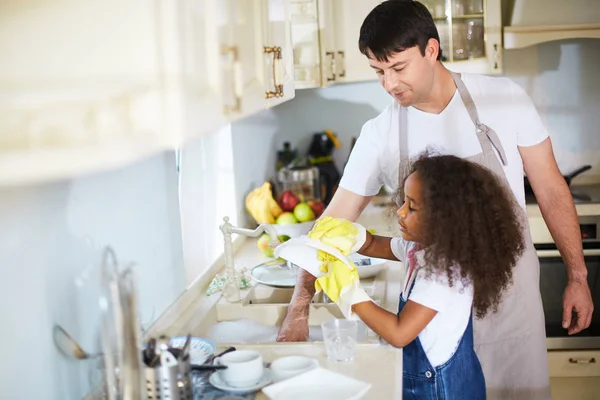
(331, 65)
(582, 361)
(236, 77)
(277, 72)
(343, 64)
(495, 56)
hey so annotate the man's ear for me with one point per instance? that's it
(432, 48)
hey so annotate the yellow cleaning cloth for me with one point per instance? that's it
(335, 232)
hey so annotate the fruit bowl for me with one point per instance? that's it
(293, 230)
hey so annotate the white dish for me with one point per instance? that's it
(216, 380)
(367, 266)
(275, 273)
(200, 348)
(318, 384)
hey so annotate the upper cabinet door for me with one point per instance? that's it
(351, 64)
(304, 16)
(240, 41)
(470, 34)
(278, 53)
(328, 47)
(192, 59)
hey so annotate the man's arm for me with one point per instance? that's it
(344, 204)
(557, 207)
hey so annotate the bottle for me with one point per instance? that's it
(286, 156)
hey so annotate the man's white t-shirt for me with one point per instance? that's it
(502, 105)
(453, 304)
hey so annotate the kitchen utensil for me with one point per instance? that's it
(210, 359)
(186, 348)
(208, 367)
(568, 178)
(150, 351)
(169, 381)
(68, 346)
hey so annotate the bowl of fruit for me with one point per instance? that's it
(290, 216)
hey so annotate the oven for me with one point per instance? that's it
(553, 279)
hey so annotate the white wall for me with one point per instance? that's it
(561, 78)
(50, 241)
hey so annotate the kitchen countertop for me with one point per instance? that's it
(379, 365)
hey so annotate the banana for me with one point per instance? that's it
(261, 205)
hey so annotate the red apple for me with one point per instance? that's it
(317, 206)
(288, 200)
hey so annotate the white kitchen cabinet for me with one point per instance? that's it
(325, 35)
(87, 86)
(278, 55)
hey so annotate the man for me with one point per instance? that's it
(491, 121)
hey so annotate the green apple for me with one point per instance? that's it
(263, 245)
(303, 212)
(286, 218)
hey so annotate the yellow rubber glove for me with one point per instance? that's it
(335, 232)
(338, 276)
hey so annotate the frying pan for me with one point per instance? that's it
(568, 178)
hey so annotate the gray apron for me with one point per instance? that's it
(511, 344)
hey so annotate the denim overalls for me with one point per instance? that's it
(459, 378)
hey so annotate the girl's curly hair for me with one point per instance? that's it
(470, 225)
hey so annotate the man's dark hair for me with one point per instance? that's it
(394, 26)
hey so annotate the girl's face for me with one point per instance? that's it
(410, 213)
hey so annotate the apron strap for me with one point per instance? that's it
(485, 134)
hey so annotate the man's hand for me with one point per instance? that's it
(293, 329)
(577, 298)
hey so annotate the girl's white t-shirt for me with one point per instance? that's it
(501, 104)
(453, 304)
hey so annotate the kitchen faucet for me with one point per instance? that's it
(231, 287)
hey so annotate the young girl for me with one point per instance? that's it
(460, 240)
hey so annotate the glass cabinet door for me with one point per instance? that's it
(460, 24)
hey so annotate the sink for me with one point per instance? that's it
(257, 318)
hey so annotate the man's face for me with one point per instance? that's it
(408, 75)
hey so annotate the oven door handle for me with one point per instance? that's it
(556, 253)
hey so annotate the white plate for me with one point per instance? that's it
(275, 273)
(200, 348)
(318, 384)
(372, 267)
(216, 381)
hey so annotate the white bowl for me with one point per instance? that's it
(293, 230)
(367, 266)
